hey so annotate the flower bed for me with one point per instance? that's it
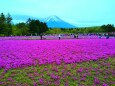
(20, 53)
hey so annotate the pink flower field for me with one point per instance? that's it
(20, 53)
(73, 62)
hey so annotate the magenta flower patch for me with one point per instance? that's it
(21, 53)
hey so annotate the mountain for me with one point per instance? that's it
(51, 21)
(22, 18)
(56, 22)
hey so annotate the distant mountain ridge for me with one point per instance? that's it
(52, 21)
(22, 17)
(56, 22)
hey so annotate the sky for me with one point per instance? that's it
(77, 12)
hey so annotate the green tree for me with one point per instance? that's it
(23, 28)
(2, 18)
(16, 31)
(5, 24)
(8, 24)
(2, 23)
(37, 28)
(108, 28)
(8, 19)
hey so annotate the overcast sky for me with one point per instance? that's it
(79, 12)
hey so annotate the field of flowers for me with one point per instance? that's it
(81, 62)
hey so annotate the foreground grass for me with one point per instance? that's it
(93, 73)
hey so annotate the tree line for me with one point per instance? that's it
(30, 27)
(36, 27)
(109, 28)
